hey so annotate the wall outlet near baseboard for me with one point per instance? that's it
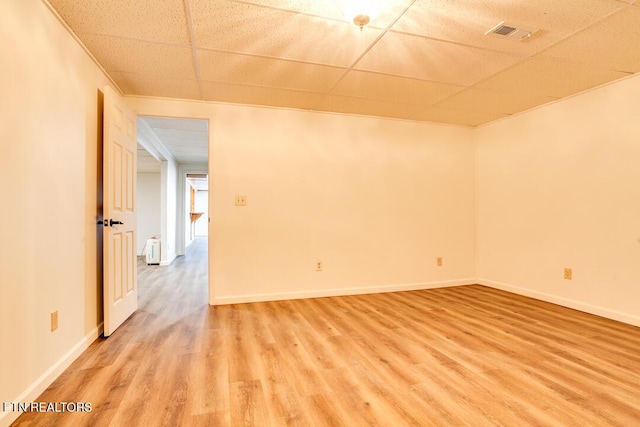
(318, 265)
(439, 261)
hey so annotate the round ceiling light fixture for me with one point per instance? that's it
(361, 20)
(362, 12)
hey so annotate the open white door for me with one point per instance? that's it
(120, 293)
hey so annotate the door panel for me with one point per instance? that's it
(120, 288)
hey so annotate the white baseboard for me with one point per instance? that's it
(50, 375)
(169, 261)
(335, 292)
(565, 302)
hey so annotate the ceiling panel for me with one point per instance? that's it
(259, 71)
(328, 8)
(351, 105)
(493, 101)
(243, 94)
(614, 41)
(466, 21)
(393, 88)
(457, 117)
(549, 77)
(415, 53)
(159, 21)
(223, 25)
(433, 60)
(133, 56)
(150, 85)
(384, 12)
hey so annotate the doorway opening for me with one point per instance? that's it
(172, 199)
(196, 207)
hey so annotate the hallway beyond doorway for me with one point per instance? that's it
(187, 274)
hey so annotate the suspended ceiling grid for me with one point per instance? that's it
(424, 60)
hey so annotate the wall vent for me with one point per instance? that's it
(508, 31)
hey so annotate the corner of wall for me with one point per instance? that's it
(476, 236)
(564, 302)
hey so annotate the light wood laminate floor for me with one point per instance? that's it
(466, 355)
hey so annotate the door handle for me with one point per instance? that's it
(112, 222)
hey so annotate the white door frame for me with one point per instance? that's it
(183, 169)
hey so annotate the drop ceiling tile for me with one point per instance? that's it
(456, 117)
(466, 22)
(434, 60)
(613, 43)
(152, 20)
(270, 30)
(549, 77)
(493, 101)
(244, 28)
(384, 11)
(328, 9)
(132, 56)
(253, 95)
(148, 85)
(393, 88)
(258, 71)
(371, 107)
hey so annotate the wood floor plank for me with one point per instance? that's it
(210, 376)
(248, 407)
(322, 411)
(283, 402)
(468, 355)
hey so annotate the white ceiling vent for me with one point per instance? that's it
(508, 31)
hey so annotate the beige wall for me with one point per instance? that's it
(48, 189)
(560, 187)
(375, 200)
(148, 208)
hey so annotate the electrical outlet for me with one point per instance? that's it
(568, 273)
(439, 261)
(54, 320)
(241, 200)
(319, 266)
